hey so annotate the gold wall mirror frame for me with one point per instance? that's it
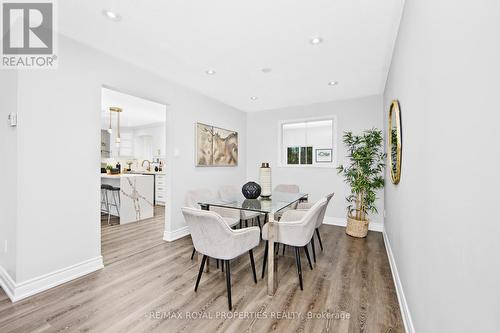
(394, 141)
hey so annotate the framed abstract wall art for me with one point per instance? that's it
(216, 146)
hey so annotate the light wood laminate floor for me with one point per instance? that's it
(148, 290)
(121, 241)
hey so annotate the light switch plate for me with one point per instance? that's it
(12, 118)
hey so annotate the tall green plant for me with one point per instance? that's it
(364, 174)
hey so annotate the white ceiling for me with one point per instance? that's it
(136, 111)
(181, 39)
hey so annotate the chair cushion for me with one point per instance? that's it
(288, 216)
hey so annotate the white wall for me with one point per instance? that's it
(8, 172)
(263, 135)
(59, 132)
(441, 220)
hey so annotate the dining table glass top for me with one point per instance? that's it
(276, 202)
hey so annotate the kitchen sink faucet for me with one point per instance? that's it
(149, 164)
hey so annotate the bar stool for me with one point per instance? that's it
(105, 189)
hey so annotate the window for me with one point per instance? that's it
(299, 155)
(308, 143)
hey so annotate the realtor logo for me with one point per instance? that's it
(28, 34)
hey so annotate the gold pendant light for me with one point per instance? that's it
(110, 129)
(118, 111)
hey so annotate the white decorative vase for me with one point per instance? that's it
(265, 180)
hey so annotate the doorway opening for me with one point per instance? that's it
(133, 174)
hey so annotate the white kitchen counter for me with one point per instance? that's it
(157, 173)
(136, 196)
(123, 175)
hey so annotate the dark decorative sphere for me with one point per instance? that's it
(251, 190)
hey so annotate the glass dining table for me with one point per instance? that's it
(269, 207)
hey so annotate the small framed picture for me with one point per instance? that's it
(324, 155)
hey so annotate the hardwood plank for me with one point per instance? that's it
(121, 241)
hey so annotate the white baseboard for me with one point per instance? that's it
(170, 236)
(18, 291)
(7, 283)
(403, 305)
(342, 222)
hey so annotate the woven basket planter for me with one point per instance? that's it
(356, 228)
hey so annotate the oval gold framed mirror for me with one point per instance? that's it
(394, 141)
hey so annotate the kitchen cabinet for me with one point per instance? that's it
(105, 144)
(160, 193)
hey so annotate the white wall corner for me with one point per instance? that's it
(170, 236)
(18, 291)
(342, 222)
(403, 305)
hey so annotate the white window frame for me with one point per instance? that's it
(282, 164)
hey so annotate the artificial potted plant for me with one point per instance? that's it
(364, 174)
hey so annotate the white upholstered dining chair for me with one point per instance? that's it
(213, 238)
(230, 216)
(304, 206)
(295, 229)
(229, 193)
(286, 188)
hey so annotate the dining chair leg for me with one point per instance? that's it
(260, 227)
(240, 224)
(252, 262)
(308, 257)
(202, 266)
(228, 284)
(284, 246)
(299, 268)
(109, 208)
(277, 248)
(222, 265)
(266, 250)
(319, 238)
(192, 254)
(246, 223)
(217, 261)
(313, 248)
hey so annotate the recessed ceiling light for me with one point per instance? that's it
(112, 15)
(210, 71)
(253, 98)
(316, 40)
(266, 70)
(333, 83)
